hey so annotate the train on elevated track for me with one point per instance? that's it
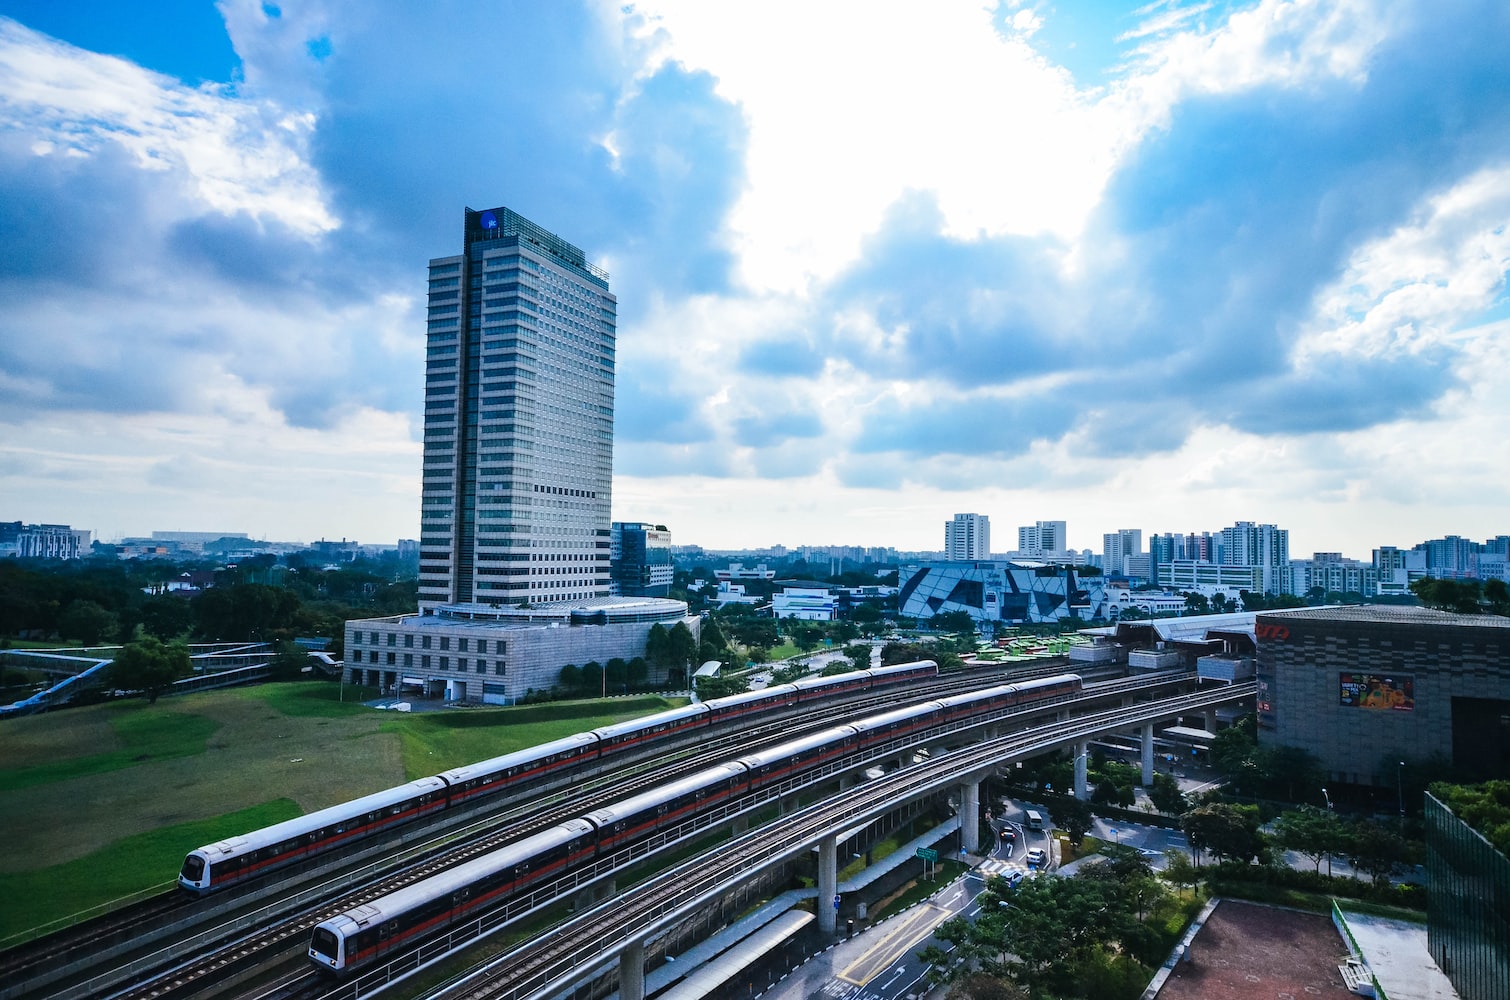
(365, 933)
(239, 859)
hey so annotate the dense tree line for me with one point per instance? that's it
(107, 601)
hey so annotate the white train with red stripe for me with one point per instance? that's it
(356, 937)
(236, 860)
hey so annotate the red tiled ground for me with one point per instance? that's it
(1251, 952)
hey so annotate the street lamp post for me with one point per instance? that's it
(1329, 808)
(1400, 788)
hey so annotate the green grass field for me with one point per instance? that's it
(100, 802)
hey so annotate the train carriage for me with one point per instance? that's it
(896, 673)
(768, 767)
(640, 816)
(811, 688)
(903, 722)
(971, 703)
(518, 770)
(236, 859)
(1041, 688)
(737, 706)
(373, 929)
(637, 732)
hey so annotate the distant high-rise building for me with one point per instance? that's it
(1117, 546)
(640, 557)
(1262, 545)
(967, 538)
(519, 394)
(1042, 539)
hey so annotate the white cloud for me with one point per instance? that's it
(850, 107)
(229, 155)
(1409, 291)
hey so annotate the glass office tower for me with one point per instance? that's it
(518, 450)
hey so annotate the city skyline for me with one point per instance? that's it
(1167, 267)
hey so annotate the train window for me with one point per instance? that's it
(324, 942)
(387, 929)
(193, 867)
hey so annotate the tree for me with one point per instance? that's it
(289, 662)
(1224, 830)
(166, 617)
(720, 687)
(713, 636)
(953, 621)
(592, 677)
(1073, 816)
(1315, 833)
(1497, 593)
(1458, 596)
(570, 677)
(87, 622)
(867, 618)
(681, 646)
(636, 671)
(805, 636)
(616, 674)
(858, 655)
(1196, 603)
(1179, 871)
(1375, 848)
(790, 672)
(149, 666)
(1166, 796)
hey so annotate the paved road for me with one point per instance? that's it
(881, 963)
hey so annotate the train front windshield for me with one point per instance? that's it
(324, 942)
(193, 868)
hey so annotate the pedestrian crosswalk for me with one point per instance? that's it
(996, 866)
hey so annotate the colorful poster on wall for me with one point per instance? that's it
(1392, 692)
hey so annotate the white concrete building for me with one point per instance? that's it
(967, 538)
(813, 604)
(1042, 540)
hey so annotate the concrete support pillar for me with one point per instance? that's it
(1148, 756)
(741, 825)
(969, 816)
(1081, 760)
(632, 972)
(1208, 721)
(828, 884)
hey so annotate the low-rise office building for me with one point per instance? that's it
(496, 654)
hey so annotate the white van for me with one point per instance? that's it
(1034, 820)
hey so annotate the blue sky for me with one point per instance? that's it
(1162, 265)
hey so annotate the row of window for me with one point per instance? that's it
(463, 644)
(426, 662)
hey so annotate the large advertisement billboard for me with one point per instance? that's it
(1391, 692)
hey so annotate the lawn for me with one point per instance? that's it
(134, 864)
(106, 799)
(435, 741)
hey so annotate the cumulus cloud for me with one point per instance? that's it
(852, 253)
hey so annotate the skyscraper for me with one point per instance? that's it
(519, 392)
(967, 537)
(1042, 539)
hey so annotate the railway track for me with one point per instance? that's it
(238, 951)
(589, 941)
(296, 934)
